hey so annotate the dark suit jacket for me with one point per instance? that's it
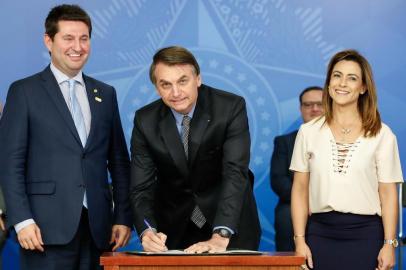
(281, 183)
(165, 187)
(45, 170)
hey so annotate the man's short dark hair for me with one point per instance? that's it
(174, 55)
(65, 13)
(310, 88)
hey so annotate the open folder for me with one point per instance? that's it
(176, 252)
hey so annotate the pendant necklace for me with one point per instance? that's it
(345, 131)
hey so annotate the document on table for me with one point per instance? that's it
(176, 252)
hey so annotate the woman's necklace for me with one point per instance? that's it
(345, 130)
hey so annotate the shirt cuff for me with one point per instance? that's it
(223, 227)
(19, 226)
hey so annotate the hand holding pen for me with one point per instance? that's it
(152, 240)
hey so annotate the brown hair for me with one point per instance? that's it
(174, 55)
(65, 13)
(367, 102)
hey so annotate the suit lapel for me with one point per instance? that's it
(201, 118)
(172, 139)
(53, 90)
(94, 108)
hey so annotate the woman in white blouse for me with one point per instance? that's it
(346, 165)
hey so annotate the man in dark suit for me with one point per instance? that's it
(189, 171)
(60, 134)
(281, 177)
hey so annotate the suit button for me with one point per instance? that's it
(83, 155)
(81, 185)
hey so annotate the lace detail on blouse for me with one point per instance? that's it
(342, 155)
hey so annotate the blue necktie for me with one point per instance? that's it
(77, 113)
(78, 119)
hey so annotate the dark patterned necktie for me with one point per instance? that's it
(185, 134)
(197, 216)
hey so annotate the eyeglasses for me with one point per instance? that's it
(311, 104)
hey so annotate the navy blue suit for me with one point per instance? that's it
(281, 183)
(46, 170)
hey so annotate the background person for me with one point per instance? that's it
(281, 177)
(346, 166)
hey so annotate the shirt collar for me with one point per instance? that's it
(62, 77)
(179, 116)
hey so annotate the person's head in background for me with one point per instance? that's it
(68, 29)
(311, 105)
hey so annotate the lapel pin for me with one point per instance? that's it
(95, 90)
(98, 99)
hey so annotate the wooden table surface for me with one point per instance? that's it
(271, 260)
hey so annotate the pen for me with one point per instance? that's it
(155, 233)
(149, 226)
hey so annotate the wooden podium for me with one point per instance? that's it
(269, 261)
